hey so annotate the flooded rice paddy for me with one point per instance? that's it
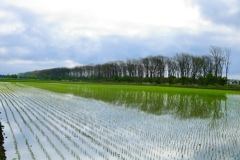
(40, 124)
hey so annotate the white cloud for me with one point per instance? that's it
(234, 76)
(44, 34)
(93, 17)
(20, 65)
(21, 50)
(3, 51)
(17, 62)
(11, 28)
(64, 63)
(10, 24)
(70, 63)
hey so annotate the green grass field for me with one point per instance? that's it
(75, 88)
(151, 99)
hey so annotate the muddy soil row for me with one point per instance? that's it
(2, 150)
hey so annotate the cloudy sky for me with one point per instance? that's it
(40, 34)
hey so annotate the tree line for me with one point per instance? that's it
(9, 76)
(182, 68)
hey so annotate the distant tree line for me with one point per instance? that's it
(9, 76)
(182, 68)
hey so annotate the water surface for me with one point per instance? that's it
(119, 124)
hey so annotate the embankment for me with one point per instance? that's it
(2, 150)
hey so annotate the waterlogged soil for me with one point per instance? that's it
(2, 150)
(119, 125)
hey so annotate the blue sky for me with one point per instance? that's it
(43, 34)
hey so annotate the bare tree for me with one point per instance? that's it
(172, 67)
(227, 52)
(153, 65)
(98, 71)
(145, 62)
(122, 68)
(207, 65)
(184, 63)
(130, 67)
(139, 69)
(161, 60)
(217, 55)
(197, 67)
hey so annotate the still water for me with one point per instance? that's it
(119, 124)
(178, 104)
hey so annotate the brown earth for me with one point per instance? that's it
(2, 150)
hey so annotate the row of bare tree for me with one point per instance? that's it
(182, 65)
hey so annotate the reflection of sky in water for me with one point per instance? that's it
(103, 129)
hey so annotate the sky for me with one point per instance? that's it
(42, 34)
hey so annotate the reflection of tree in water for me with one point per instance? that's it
(218, 112)
(181, 105)
(199, 106)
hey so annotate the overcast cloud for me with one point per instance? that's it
(44, 34)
